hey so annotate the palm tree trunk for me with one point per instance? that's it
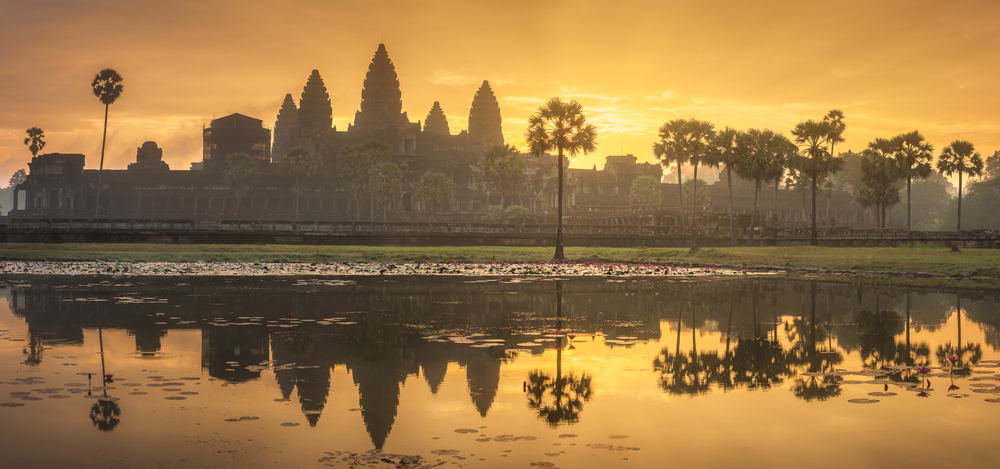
(100, 169)
(680, 194)
(694, 199)
(753, 216)
(774, 205)
(812, 235)
(559, 211)
(732, 224)
(959, 229)
(908, 180)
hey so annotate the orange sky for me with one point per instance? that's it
(891, 66)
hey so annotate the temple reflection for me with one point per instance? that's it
(720, 336)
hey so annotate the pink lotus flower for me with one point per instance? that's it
(953, 388)
(571, 336)
(953, 359)
(923, 370)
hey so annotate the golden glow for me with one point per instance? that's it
(891, 66)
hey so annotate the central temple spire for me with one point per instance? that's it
(381, 100)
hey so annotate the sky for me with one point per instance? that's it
(891, 66)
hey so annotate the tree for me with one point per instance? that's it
(931, 201)
(503, 170)
(562, 127)
(914, 156)
(242, 171)
(685, 140)
(761, 158)
(704, 196)
(35, 141)
(18, 178)
(298, 165)
(992, 169)
(494, 214)
(960, 157)
(516, 211)
(354, 165)
(385, 180)
(645, 190)
(817, 160)
(436, 188)
(724, 151)
(107, 87)
(879, 171)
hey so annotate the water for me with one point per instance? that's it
(478, 372)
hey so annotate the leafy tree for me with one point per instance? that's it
(503, 170)
(981, 204)
(914, 156)
(992, 169)
(960, 157)
(704, 197)
(18, 178)
(931, 201)
(354, 165)
(725, 151)
(688, 141)
(35, 140)
(817, 160)
(562, 127)
(494, 214)
(385, 180)
(849, 178)
(105, 415)
(298, 165)
(559, 399)
(645, 190)
(516, 211)
(436, 188)
(241, 172)
(761, 158)
(879, 171)
(107, 86)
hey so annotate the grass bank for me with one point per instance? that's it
(929, 259)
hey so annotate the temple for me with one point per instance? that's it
(58, 186)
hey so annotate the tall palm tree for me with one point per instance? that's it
(685, 140)
(835, 119)
(107, 87)
(761, 157)
(960, 157)
(914, 156)
(560, 126)
(817, 161)
(724, 151)
(35, 141)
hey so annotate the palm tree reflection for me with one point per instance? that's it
(105, 415)
(558, 400)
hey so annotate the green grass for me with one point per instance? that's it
(929, 259)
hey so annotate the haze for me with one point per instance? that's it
(891, 66)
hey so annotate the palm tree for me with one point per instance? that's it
(960, 157)
(724, 151)
(298, 165)
(685, 141)
(107, 87)
(560, 126)
(879, 171)
(914, 156)
(761, 158)
(817, 161)
(241, 172)
(835, 119)
(34, 140)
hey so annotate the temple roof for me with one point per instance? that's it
(381, 99)
(436, 121)
(315, 110)
(484, 118)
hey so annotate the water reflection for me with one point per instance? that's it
(722, 336)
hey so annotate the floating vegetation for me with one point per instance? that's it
(466, 430)
(957, 395)
(618, 437)
(863, 401)
(993, 400)
(175, 398)
(882, 394)
(445, 452)
(568, 435)
(11, 404)
(611, 447)
(289, 424)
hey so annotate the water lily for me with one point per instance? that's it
(923, 370)
(953, 359)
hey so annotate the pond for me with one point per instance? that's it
(418, 371)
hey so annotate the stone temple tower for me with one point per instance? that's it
(286, 129)
(437, 122)
(315, 110)
(381, 100)
(484, 118)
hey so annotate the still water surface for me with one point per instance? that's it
(478, 372)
